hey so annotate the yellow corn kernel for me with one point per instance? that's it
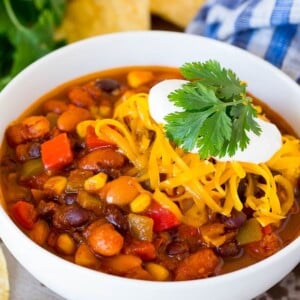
(258, 108)
(81, 127)
(65, 244)
(105, 111)
(158, 272)
(95, 183)
(140, 203)
(56, 184)
(138, 78)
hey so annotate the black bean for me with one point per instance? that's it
(242, 189)
(69, 198)
(177, 248)
(230, 249)
(115, 216)
(107, 85)
(34, 150)
(236, 220)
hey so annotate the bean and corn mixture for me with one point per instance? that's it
(73, 191)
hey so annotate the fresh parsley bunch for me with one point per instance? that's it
(26, 33)
(216, 111)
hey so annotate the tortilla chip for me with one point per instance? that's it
(4, 283)
(86, 18)
(178, 12)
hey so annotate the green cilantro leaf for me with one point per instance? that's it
(194, 96)
(212, 75)
(215, 112)
(183, 133)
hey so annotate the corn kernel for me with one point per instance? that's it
(140, 203)
(159, 272)
(65, 244)
(138, 78)
(95, 183)
(81, 127)
(105, 111)
(56, 184)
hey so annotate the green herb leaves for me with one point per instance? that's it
(26, 33)
(216, 112)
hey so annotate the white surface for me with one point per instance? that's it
(145, 48)
(261, 147)
(159, 104)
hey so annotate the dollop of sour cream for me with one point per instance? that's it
(260, 148)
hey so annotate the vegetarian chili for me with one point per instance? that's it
(76, 188)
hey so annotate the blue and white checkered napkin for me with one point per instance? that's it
(267, 28)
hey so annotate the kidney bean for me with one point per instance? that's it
(28, 151)
(68, 217)
(101, 158)
(76, 216)
(54, 105)
(122, 264)
(80, 97)
(107, 85)
(14, 135)
(92, 89)
(236, 220)
(105, 240)
(120, 191)
(35, 127)
(115, 216)
(68, 120)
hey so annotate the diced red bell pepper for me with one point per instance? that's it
(24, 213)
(93, 141)
(162, 217)
(57, 152)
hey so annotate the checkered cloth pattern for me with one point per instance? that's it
(267, 28)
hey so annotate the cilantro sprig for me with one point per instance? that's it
(216, 113)
(27, 33)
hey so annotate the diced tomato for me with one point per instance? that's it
(268, 245)
(93, 141)
(24, 213)
(57, 152)
(143, 249)
(162, 217)
(267, 229)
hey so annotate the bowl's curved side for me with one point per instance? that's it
(144, 48)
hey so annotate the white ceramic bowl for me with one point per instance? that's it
(145, 48)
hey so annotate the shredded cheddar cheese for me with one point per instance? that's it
(208, 184)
